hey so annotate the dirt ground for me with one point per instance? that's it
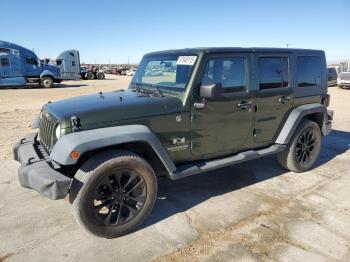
(18, 107)
(253, 211)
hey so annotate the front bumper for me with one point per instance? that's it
(36, 171)
(327, 126)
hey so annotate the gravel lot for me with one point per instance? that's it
(249, 212)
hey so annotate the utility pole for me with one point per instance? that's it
(128, 61)
(287, 45)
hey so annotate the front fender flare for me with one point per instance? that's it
(85, 141)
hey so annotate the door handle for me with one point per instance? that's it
(245, 105)
(199, 105)
(283, 99)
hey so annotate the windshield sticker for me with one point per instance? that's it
(186, 60)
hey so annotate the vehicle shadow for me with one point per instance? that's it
(68, 85)
(39, 87)
(181, 195)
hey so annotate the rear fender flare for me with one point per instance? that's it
(294, 118)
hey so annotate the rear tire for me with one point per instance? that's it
(100, 76)
(83, 76)
(113, 193)
(303, 149)
(90, 76)
(47, 82)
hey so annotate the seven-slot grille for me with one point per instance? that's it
(47, 132)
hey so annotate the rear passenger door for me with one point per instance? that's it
(273, 96)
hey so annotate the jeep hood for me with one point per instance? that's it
(112, 106)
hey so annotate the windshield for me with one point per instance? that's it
(170, 73)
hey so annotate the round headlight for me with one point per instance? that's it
(58, 131)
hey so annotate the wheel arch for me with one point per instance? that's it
(47, 73)
(135, 138)
(315, 112)
(141, 148)
(317, 117)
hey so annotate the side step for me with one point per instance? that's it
(204, 166)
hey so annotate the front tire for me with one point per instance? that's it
(303, 149)
(113, 193)
(47, 82)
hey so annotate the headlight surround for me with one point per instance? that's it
(58, 131)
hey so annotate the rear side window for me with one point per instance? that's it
(273, 72)
(5, 61)
(4, 50)
(231, 73)
(309, 71)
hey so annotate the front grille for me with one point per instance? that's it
(345, 76)
(47, 131)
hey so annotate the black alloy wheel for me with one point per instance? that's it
(119, 197)
(306, 146)
(113, 193)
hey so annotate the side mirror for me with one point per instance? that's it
(210, 91)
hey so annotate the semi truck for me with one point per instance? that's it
(68, 62)
(20, 66)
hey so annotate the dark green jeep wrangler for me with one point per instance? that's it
(185, 112)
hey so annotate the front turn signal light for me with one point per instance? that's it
(74, 155)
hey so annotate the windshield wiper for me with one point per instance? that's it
(156, 89)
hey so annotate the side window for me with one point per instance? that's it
(73, 63)
(4, 50)
(5, 61)
(58, 62)
(309, 71)
(231, 73)
(31, 61)
(273, 72)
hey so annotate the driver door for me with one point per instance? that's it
(224, 124)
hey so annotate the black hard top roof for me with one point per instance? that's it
(218, 50)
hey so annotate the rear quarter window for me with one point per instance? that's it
(309, 71)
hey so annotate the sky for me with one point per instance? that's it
(109, 31)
